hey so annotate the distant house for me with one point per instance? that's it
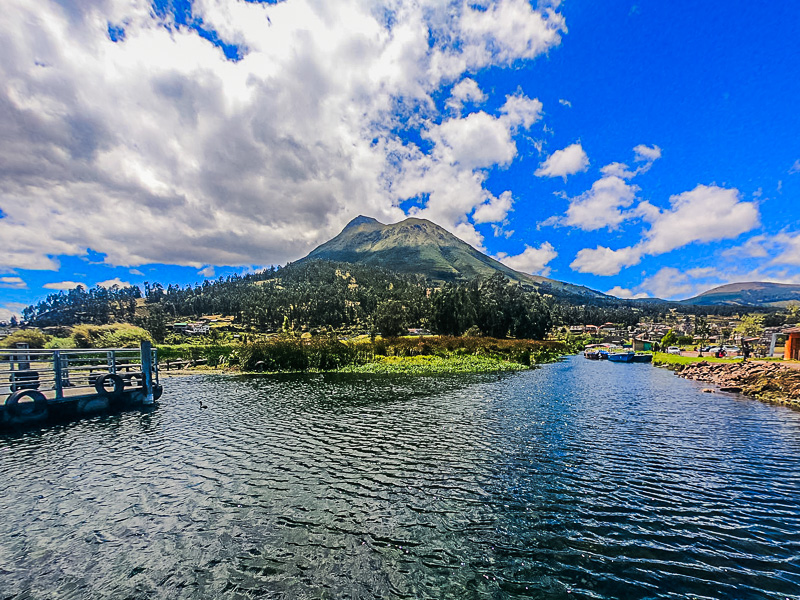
(191, 328)
(642, 345)
(419, 332)
(792, 348)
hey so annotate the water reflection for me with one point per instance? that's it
(578, 480)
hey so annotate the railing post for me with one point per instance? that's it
(57, 374)
(112, 361)
(145, 350)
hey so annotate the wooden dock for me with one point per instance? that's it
(38, 386)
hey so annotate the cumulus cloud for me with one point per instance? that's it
(11, 309)
(669, 283)
(494, 210)
(207, 271)
(704, 214)
(789, 249)
(601, 206)
(625, 293)
(646, 154)
(464, 91)
(531, 260)
(562, 163)
(15, 283)
(158, 149)
(476, 141)
(112, 282)
(63, 285)
(521, 111)
(605, 261)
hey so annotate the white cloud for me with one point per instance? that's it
(562, 163)
(207, 272)
(669, 283)
(531, 260)
(566, 103)
(521, 111)
(476, 141)
(601, 206)
(157, 149)
(605, 261)
(11, 309)
(15, 283)
(494, 210)
(789, 249)
(63, 285)
(135, 272)
(618, 169)
(704, 214)
(112, 282)
(647, 153)
(625, 293)
(795, 168)
(464, 91)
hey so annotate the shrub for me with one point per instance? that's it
(33, 337)
(109, 336)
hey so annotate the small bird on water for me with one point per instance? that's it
(202, 405)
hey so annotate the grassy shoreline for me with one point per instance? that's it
(413, 356)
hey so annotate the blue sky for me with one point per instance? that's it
(638, 148)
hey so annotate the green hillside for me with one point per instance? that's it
(420, 247)
(753, 293)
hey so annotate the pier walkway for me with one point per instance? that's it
(41, 385)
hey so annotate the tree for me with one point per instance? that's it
(156, 322)
(390, 318)
(701, 327)
(750, 326)
(670, 339)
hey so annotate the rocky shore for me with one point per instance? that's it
(771, 382)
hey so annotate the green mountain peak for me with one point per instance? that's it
(419, 246)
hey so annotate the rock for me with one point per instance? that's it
(730, 388)
(708, 391)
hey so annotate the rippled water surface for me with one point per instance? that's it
(581, 479)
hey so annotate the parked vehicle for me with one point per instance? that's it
(673, 350)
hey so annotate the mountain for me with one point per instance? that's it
(752, 293)
(418, 246)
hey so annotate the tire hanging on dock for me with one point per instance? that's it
(158, 389)
(39, 403)
(114, 394)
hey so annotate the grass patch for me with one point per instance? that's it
(434, 365)
(427, 355)
(662, 358)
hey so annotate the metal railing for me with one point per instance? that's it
(71, 372)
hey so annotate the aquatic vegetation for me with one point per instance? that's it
(434, 365)
(430, 354)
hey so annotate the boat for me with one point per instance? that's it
(625, 357)
(642, 358)
(592, 351)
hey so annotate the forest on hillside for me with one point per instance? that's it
(317, 295)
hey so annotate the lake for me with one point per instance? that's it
(581, 479)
